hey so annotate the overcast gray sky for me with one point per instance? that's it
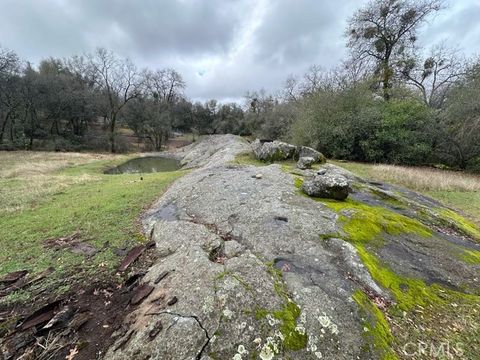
(221, 47)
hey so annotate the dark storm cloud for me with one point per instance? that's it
(139, 27)
(221, 47)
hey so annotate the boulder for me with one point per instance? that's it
(305, 151)
(327, 185)
(273, 150)
(305, 162)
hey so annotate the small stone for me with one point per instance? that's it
(258, 176)
(232, 248)
(156, 330)
(172, 301)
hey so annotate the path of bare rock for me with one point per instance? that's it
(256, 270)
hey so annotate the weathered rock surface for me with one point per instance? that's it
(273, 150)
(305, 151)
(260, 271)
(305, 162)
(327, 185)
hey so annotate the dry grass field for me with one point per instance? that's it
(454, 188)
(28, 177)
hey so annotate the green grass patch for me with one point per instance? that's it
(360, 169)
(467, 201)
(104, 211)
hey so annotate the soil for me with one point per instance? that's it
(85, 322)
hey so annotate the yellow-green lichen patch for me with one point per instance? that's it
(460, 223)
(376, 327)
(471, 257)
(298, 182)
(364, 223)
(408, 292)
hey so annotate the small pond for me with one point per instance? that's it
(147, 164)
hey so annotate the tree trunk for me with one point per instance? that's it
(4, 125)
(386, 82)
(112, 133)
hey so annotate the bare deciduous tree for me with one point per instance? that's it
(10, 86)
(120, 82)
(292, 90)
(386, 29)
(166, 84)
(434, 75)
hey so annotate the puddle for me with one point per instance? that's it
(148, 164)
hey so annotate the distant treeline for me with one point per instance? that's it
(387, 102)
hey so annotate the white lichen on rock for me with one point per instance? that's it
(228, 313)
(327, 323)
(241, 350)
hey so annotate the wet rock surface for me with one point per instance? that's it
(259, 270)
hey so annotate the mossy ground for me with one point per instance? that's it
(104, 209)
(365, 223)
(364, 226)
(421, 313)
(460, 223)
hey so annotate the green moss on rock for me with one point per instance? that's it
(408, 292)
(471, 257)
(460, 223)
(298, 182)
(376, 326)
(364, 223)
(293, 339)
